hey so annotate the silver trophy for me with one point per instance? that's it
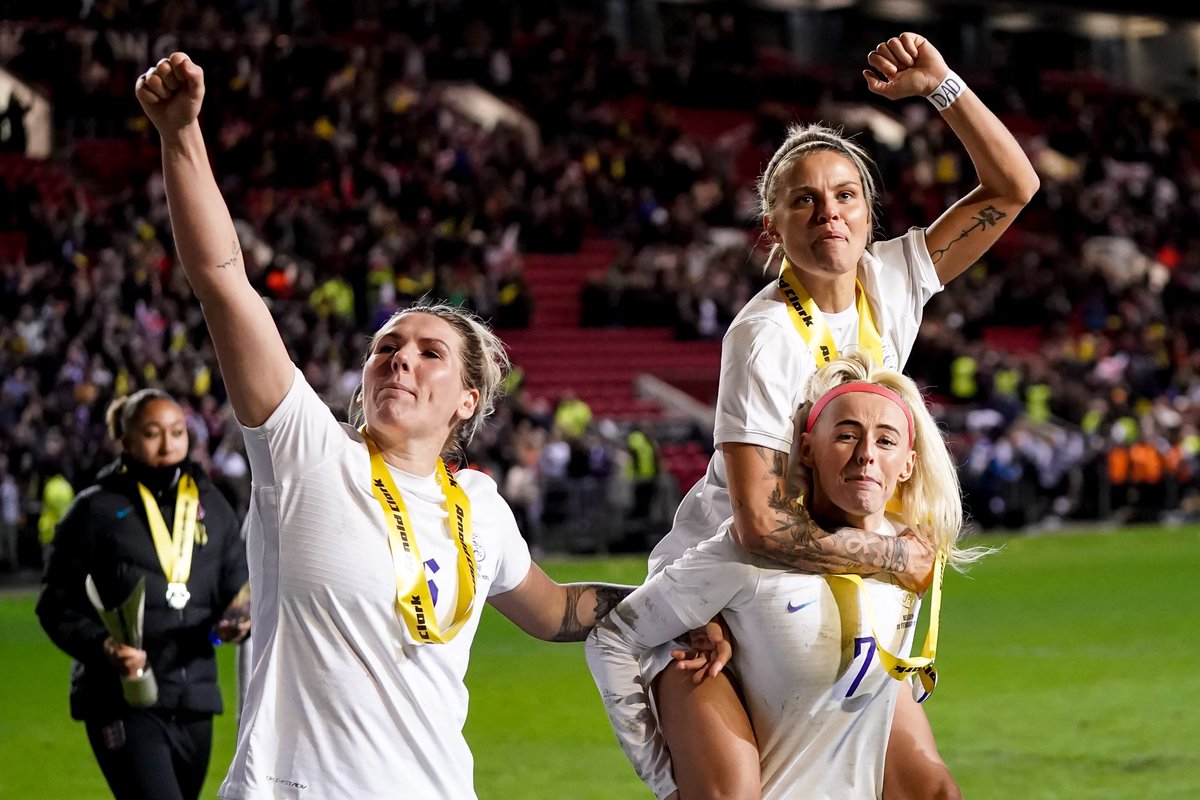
(124, 624)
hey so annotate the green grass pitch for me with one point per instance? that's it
(1070, 668)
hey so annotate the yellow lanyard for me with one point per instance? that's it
(413, 599)
(900, 668)
(175, 548)
(810, 322)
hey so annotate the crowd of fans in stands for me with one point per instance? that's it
(360, 182)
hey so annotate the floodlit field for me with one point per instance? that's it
(1068, 664)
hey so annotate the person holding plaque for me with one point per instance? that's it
(370, 560)
(156, 547)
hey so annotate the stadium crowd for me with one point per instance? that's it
(364, 175)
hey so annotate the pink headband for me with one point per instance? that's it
(866, 388)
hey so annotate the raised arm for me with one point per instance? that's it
(557, 612)
(767, 522)
(254, 363)
(909, 66)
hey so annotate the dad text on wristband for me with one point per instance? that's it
(947, 91)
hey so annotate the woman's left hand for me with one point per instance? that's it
(711, 649)
(234, 625)
(232, 631)
(909, 65)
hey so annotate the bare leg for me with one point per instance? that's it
(713, 751)
(913, 769)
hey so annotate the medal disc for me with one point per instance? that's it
(177, 596)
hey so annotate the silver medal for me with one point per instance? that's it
(177, 595)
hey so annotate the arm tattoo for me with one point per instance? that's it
(872, 551)
(794, 525)
(986, 218)
(793, 528)
(607, 598)
(844, 550)
(229, 262)
(798, 541)
(573, 629)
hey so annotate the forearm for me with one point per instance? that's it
(802, 544)
(203, 228)
(584, 606)
(1005, 172)
(769, 522)
(557, 612)
(255, 365)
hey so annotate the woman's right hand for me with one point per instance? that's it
(127, 660)
(171, 93)
(711, 647)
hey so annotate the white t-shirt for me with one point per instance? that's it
(765, 365)
(820, 702)
(341, 702)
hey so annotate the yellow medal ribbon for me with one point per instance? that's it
(810, 322)
(413, 599)
(175, 548)
(900, 668)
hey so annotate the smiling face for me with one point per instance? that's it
(858, 450)
(158, 436)
(413, 381)
(821, 215)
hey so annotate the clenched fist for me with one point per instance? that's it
(909, 64)
(171, 93)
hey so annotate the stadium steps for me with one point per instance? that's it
(687, 461)
(598, 365)
(50, 182)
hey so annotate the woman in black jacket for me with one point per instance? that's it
(122, 529)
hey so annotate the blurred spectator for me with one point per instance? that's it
(571, 416)
(57, 495)
(10, 517)
(643, 472)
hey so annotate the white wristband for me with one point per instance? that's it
(947, 91)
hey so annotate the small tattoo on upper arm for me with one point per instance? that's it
(986, 218)
(776, 462)
(229, 262)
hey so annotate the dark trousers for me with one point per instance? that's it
(153, 755)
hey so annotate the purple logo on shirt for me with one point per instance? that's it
(432, 566)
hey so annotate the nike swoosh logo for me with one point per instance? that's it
(793, 609)
(122, 513)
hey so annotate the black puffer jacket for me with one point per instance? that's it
(105, 534)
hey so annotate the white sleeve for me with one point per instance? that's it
(685, 595)
(505, 550)
(760, 385)
(300, 434)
